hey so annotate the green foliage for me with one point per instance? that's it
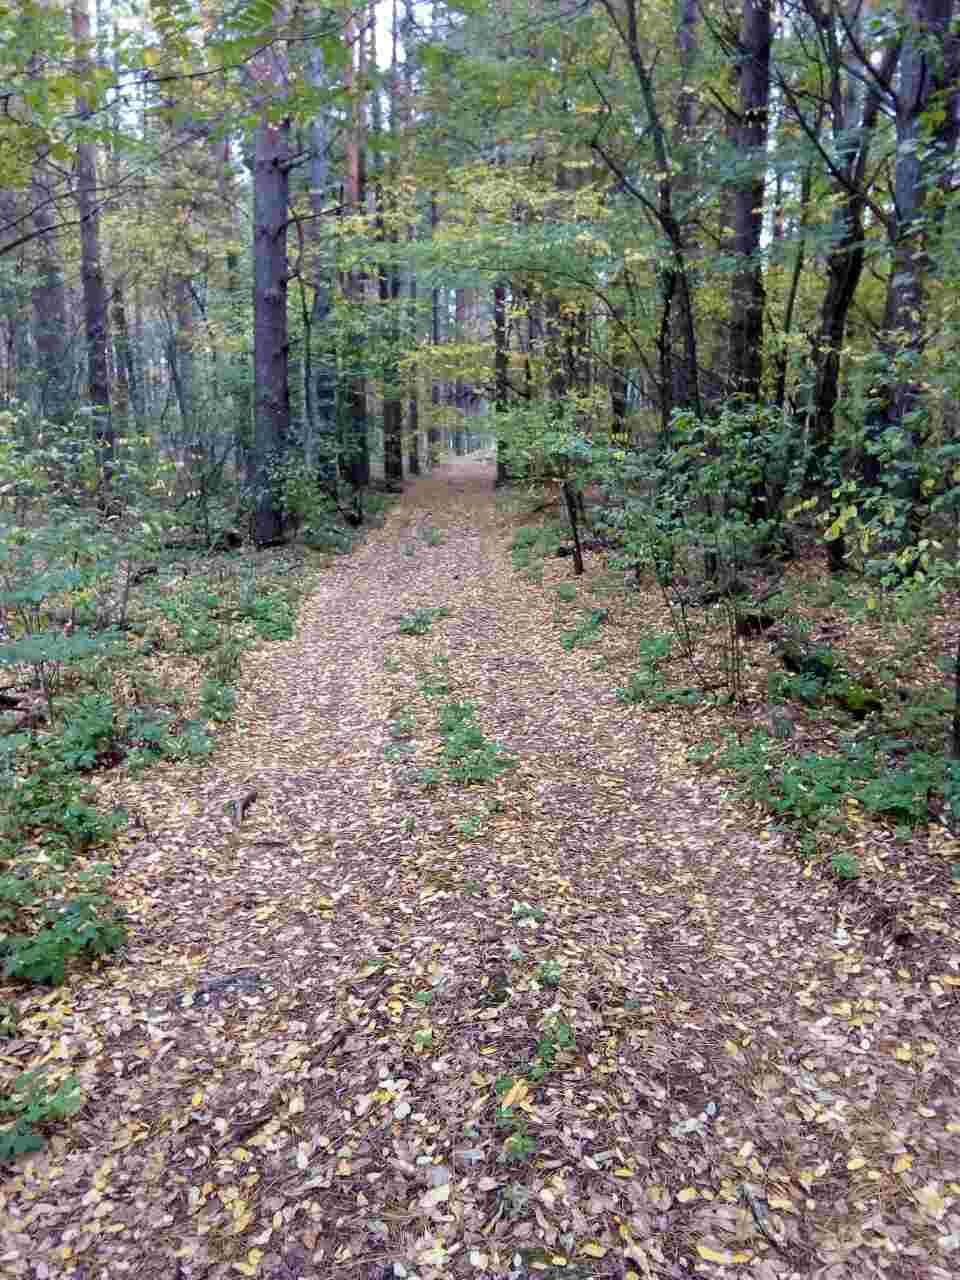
(420, 621)
(435, 683)
(586, 632)
(526, 911)
(402, 727)
(566, 592)
(845, 866)
(78, 930)
(217, 701)
(557, 1037)
(534, 542)
(470, 826)
(468, 756)
(89, 732)
(814, 786)
(33, 1106)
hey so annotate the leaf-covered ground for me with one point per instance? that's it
(587, 1019)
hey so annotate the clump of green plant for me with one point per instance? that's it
(648, 685)
(432, 537)
(403, 727)
(845, 866)
(470, 826)
(808, 788)
(533, 543)
(549, 974)
(217, 701)
(434, 683)
(420, 621)
(567, 592)
(32, 1106)
(519, 1144)
(586, 632)
(77, 929)
(271, 614)
(557, 1037)
(527, 911)
(469, 757)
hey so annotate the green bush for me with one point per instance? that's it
(420, 621)
(217, 701)
(78, 931)
(468, 756)
(33, 1105)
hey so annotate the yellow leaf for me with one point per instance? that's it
(856, 1163)
(435, 1196)
(931, 1201)
(687, 1194)
(730, 1048)
(593, 1250)
(516, 1093)
(713, 1255)
(953, 1126)
(197, 1099)
(903, 1053)
(781, 1203)
(902, 1164)
(623, 1172)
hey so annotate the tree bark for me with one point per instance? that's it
(51, 325)
(747, 293)
(270, 337)
(95, 300)
(321, 369)
(356, 445)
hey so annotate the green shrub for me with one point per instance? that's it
(33, 1105)
(420, 621)
(468, 756)
(217, 701)
(78, 930)
(89, 732)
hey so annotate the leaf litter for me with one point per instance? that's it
(586, 1018)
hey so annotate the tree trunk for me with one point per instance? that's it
(270, 338)
(501, 357)
(95, 299)
(128, 387)
(929, 69)
(51, 326)
(356, 445)
(747, 294)
(321, 362)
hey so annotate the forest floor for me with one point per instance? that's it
(588, 1018)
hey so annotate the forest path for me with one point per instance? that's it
(295, 1071)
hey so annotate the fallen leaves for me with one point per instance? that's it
(369, 980)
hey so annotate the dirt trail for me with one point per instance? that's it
(293, 1071)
